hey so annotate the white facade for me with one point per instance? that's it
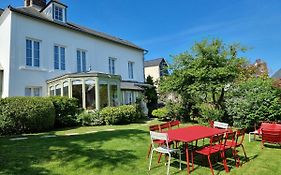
(15, 28)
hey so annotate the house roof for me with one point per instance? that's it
(277, 74)
(31, 12)
(154, 62)
(1, 11)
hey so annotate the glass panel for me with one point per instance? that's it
(113, 95)
(36, 92)
(103, 95)
(84, 61)
(52, 91)
(77, 91)
(28, 92)
(28, 52)
(62, 57)
(36, 53)
(65, 89)
(58, 90)
(90, 94)
(56, 55)
(78, 61)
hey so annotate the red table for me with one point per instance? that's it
(192, 133)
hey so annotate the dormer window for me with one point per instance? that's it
(58, 13)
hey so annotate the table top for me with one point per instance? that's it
(192, 133)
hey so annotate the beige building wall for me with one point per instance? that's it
(153, 71)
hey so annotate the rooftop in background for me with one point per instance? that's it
(277, 74)
(32, 12)
(1, 11)
(154, 62)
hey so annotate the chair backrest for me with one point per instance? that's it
(271, 136)
(164, 126)
(154, 128)
(175, 123)
(240, 134)
(216, 139)
(159, 136)
(211, 122)
(230, 137)
(220, 125)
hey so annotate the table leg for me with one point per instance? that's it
(187, 158)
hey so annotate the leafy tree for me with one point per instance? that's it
(252, 101)
(203, 75)
(151, 95)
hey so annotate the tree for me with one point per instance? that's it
(151, 95)
(204, 74)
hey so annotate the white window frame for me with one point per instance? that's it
(81, 60)
(33, 88)
(57, 16)
(60, 47)
(32, 52)
(131, 69)
(112, 65)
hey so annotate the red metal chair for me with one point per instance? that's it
(271, 136)
(216, 146)
(239, 139)
(175, 123)
(159, 142)
(164, 126)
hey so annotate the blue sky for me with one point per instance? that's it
(167, 27)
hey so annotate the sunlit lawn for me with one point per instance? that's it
(119, 150)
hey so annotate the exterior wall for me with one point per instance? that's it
(153, 71)
(97, 50)
(5, 38)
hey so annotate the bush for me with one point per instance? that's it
(253, 101)
(161, 113)
(66, 110)
(120, 115)
(209, 112)
(26, 114)
(90, 118)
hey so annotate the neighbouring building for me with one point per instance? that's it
(155, 68)
(44, 54)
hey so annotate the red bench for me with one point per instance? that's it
(265, 126)
(271, 135)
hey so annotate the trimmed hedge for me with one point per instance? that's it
(26, 114)
(90, 118)
(66, 110)
(120, 115)
(161, 113)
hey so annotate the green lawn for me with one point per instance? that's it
(112, 150)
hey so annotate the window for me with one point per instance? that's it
(131, 70)
(128, 97)
(58, 14)
(81, 61)
(111, 65)
(59, 57)
(33, 91)
(32, 53)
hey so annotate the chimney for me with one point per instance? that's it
(35, 3)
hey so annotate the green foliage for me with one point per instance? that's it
(202, 75)
(90, 118)
(151, 95)
(209, 112)
(66, 111)
(161, 113)
(253, 101)
(120, 115)
(26, 114)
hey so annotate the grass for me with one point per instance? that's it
(118, 151)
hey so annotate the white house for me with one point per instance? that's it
(42, 53)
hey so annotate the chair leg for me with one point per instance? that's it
(169, 161)
(210, 163)
(244, 152)
(192, 159)
(180, 159)
(149, 150)
(224, 161)
(150, 161)
(159, 158)
(249, 137)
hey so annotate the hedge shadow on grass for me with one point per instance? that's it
(87, 151)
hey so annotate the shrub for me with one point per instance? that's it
(209, 112)
(90, 118)
(66, 110)
(253, 101)
(161, 113)
(120, 115)
(26, 114)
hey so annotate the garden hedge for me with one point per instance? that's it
(26, 114)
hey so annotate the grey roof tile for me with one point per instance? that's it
(154, 62)
(31, 12)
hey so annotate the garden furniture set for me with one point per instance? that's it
(221, 140)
